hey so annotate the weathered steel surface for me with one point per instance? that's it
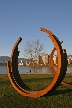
(15, 79)
(51, 64)
(63, 61)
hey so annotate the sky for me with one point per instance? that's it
(23, 18)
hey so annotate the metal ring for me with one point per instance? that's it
(16, 81)
(51, 64)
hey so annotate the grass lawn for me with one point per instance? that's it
(59, 98)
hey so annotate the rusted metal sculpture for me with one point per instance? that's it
(51, 64)
(15, 79)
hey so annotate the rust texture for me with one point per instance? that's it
(14, 76)
(51, 64)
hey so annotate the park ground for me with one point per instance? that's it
(59, 98)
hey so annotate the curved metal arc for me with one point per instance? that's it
(62, 69)
(46, 31)
(10, 68)
(56, 81)
(51, 63)
(14, 47)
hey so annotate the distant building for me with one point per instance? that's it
(39, 60)
(45, 59)
(69, 60)
(21, 63)
(27, 63)
(55, 59)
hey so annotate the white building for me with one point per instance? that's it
(45, 59)
(55, 59)
(70, 60)
(39, 59)
(21, 63)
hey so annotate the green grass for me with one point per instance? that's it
(59, 98)
(69, 65)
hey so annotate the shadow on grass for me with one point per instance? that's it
(68, 76)
(37, 79)
(29, 79)
(58, 92)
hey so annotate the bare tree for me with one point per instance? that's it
(32, 50)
